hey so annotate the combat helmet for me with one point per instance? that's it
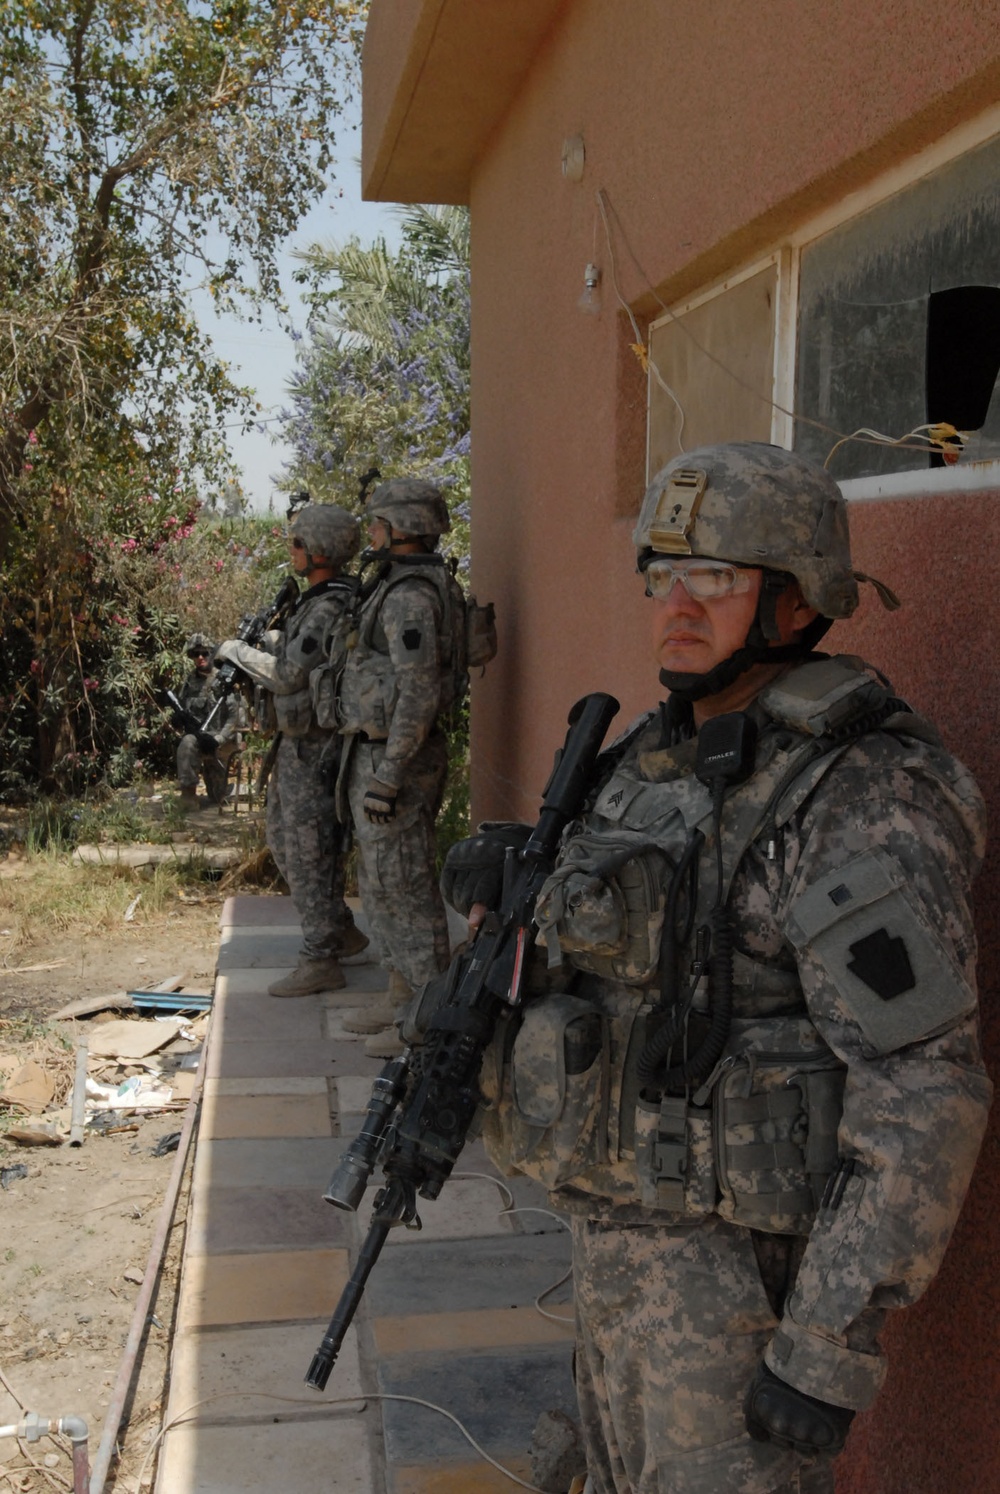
(411, 505)
(755, 505)
(326, 531)
(199, 643)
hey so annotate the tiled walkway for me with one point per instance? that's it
(448, 1315)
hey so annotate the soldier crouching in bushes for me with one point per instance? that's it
(755, 1083)
(205, 753)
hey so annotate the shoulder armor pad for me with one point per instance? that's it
(824, 696)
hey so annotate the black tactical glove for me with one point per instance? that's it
(777, 1412)
(473, 868)
(207, 743)
(379, 803)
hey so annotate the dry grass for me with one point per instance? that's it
(49, 896)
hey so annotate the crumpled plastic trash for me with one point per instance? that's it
(140, 1092)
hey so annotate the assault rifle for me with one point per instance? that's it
(423, 1103)
(188, 722)
(253, 626)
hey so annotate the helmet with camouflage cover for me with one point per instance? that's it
(328, 532)
(761, 506)
(756, 505)
(410, 505)
(199, 643)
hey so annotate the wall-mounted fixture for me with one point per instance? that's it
(573, 158)
(590, 301)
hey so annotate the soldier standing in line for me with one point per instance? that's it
(400, 677)
(302, 831)
(205, 753)
(756, 1083)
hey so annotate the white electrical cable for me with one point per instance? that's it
(640, 347)
(529, 1209)
(183, 1418)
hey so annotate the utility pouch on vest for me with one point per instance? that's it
(480, 634)
(559, 1090)
(294, 713)
(368, 698)
(324, 681)
(674, 1157)
(263, 709)
(603, 905)
(776, 1107)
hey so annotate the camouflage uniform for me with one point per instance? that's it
(199, 695)
(392, 692)
(302, 832)
(779, 1205)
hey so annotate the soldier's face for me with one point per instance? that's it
(379, 534)
(692, 636)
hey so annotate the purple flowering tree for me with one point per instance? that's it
(383, 373)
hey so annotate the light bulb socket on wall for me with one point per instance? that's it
(574, 157)
(590, 301)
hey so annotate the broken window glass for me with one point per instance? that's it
(899, 323)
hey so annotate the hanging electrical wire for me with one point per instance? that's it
(937, 436)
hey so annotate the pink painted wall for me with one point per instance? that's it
(714, 129)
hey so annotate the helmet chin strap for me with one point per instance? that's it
(760, 647)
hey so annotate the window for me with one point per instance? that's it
(697, 351)
(899, 322)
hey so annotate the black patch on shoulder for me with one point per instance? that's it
(411, 638)
(882, 962)
(309, 644)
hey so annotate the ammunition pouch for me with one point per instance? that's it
(759, 1149)
(294, 713)
(602, 908)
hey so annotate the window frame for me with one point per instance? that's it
(929, 481)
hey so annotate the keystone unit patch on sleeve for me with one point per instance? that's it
(894, 972)
(418, 642)
(882, 962)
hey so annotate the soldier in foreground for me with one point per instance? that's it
(401, 676)
(754, 1081)
(202, 752)
(305, 839)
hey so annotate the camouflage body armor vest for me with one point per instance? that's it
(756, 1142)
(369, 690)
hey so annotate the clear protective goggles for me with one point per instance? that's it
(705, 580)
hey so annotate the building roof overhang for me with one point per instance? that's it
(438, 77)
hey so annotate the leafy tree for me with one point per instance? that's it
(383, 379)
(143, 144)
(134, 137)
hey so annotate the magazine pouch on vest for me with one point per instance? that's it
(603, 905)
(776, 1107)
(324, 681)
(558, 1120)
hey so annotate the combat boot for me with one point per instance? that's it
(387, 1044)
(386, 1009)
(351, 941)
(309, 978)
(188, 797)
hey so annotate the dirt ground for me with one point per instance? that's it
(76, 1230)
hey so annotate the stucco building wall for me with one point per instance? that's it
(713, 131)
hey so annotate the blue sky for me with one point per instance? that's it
(263, 355)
